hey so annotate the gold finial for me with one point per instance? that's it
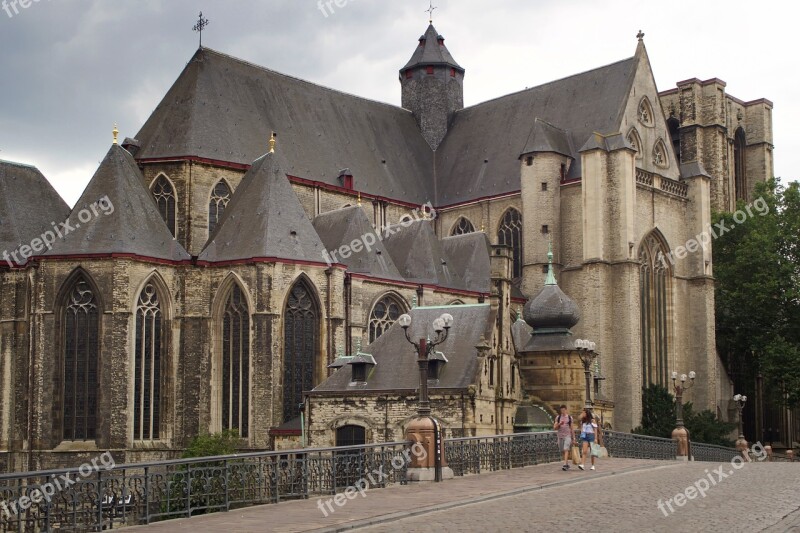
(115, 132)
(359, 199)
(272, 142)
(483, 227)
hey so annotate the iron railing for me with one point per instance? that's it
(639, 446)
(473, 455)
(149, 492)
(711, 452)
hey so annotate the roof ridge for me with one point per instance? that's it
(17, 164)
(295, 78)
(546, 84)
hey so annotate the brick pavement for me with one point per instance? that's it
(394, 501)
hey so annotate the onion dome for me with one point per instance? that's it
(551, 311)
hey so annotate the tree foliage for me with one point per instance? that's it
(223, 443)
(757, 271)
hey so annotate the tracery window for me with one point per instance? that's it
(635, 142)
(164, 195)
(510, 234)
(462, 227)
(148, 366)
(660, 154)
(236, 363)
(645, 112)
(300, 343)
(220, 197)
(80, 385)
(383, 315)
(654, 290)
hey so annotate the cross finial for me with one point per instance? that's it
(272, 141)
(430, 11)
(640, 35)
(115, 132)
(201, 24)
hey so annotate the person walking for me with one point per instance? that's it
(563, 426)
(590, 437)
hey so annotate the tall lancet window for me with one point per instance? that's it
(655, 307)
(164, 195)
(300, 339)
(236, 363)
(739, 164)
(510, 234)
(220, 197)
(148, 366)
(81, 321)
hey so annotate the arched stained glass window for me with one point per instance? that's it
(462, 227)
(654, 289)
(148, 366)
(383, 315)
(164, 195)
(220, 197)
(300, 340)
(236, 363)
(739, 164)
(510, 234)
(81, 353)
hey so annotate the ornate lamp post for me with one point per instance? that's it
(424, 430)
(587, 353)
(741, 442)
(680, 433)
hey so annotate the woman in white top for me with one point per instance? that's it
(590, 433)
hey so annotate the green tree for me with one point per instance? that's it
(757, 271)
(706, 428)
(215, 444)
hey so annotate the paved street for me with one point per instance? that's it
(622, 495)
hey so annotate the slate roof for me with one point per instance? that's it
(397, 368)
(469, 254)
(545, 137)
(342, 227)
(264, 219)
(480, 153)
(132, 226)
(224, 108)
(430, 52)
(420, 256)
(28, 205)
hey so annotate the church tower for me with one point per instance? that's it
(433, 86)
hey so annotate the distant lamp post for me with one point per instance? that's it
(680, 433)
(741, 442)
(424, 430)
(587, 353)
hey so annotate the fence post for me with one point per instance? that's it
(147, 495)
(227, 490)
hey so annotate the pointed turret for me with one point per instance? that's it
(433, 86)
(117, 215)
(264, 220)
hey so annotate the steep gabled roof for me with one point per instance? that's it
(545, 137)
(419, 255)
(264, 220)
(469, 253)
(396, 367)
(480, 153)
(124, 219)
(224, 108)
(342, 227)
(28, 206)
(430, 52)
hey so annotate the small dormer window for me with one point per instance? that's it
(359, 372)
(429, 69)
(434, 367)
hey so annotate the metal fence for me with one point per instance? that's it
(639, 446)
(710, 452)
(148, 492)
(473, 455)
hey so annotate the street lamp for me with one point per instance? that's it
(680, 433)
(587, 353)
(424, 430)
(424, 348)
(741, 442)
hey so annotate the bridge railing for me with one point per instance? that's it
(148, 492)
(711, 452)
(473, 455)
(633, 446)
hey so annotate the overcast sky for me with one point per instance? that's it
(69, 69)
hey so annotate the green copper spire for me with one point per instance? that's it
(551, 279)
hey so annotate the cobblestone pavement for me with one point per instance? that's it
(757, 497)
(394, 501)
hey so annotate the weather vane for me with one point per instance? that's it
(201, 24)
(429, 11)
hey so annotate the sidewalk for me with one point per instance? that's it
(397, 501)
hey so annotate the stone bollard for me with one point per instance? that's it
(768, 449)
(790, 455)
(681, 437)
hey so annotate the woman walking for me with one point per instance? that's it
(590, 437)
